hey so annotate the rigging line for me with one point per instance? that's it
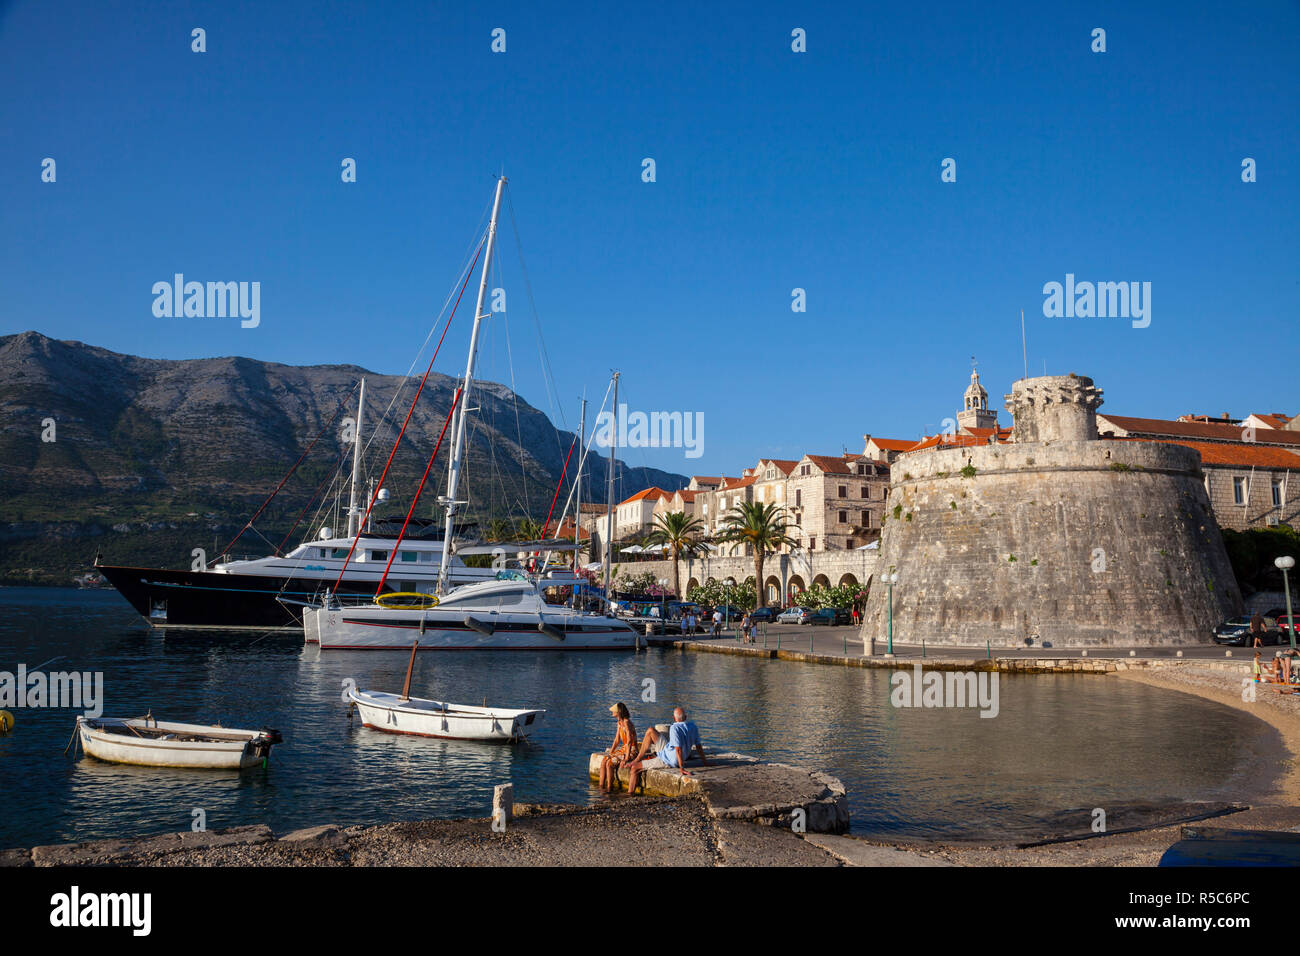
(582, 456)
(446, 555)
(371, 504)
(645, 466)
(558, 485)
(397, 392)
(519, 434)
(329, 476)
(306, 451)
(548, 376)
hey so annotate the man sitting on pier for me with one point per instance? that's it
(674, 749)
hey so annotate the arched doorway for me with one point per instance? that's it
(772, 590)
(821, 581)
(848, 580)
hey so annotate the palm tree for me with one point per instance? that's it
(761, 526)
(498, 529)
(528, 530)
(681, 533)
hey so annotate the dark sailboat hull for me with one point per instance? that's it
(206, 599)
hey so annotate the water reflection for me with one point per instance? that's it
(1059, 745)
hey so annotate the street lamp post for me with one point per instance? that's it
(892, 579)
(1285, 564)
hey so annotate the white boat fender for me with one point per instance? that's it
(550, 630)
(483, 627)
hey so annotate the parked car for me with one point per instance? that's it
(823, 615)
(1235, 632)
(793, 615)
(1287, 626)
(762, 615)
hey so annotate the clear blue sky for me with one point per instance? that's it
(775, 170)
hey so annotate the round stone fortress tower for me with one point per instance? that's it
(1058, 538)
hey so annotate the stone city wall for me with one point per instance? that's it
(1068, 543)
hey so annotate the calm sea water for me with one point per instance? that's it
(1059, 743)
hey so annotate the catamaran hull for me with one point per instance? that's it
(385, 713)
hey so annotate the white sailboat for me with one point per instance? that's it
(508, 613)
(404, 714)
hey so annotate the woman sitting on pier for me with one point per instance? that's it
(620, 750)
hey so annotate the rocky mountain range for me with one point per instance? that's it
(144, 460)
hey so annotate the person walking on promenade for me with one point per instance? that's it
(717, 623)
(1257, 629)
(855, 614)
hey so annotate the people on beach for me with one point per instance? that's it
(667, 750)
(1285, 665)
(620, 750)
(1263, 671)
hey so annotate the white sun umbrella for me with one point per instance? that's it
(632, 549)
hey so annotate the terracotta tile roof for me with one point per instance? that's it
(739, 482)
(566, 531)
(894, 444)
(954, 441)
(651, 493)
(1198, 430)
(831, 464)
(987, 433)
(1275, 419)
(1241, 454)
(706, 479)
(784, 465)
(687, 494)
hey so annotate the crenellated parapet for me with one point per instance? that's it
(1054, 408)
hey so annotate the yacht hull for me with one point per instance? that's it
(363, 629)
(226, 600)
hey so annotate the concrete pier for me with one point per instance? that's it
(737, 787)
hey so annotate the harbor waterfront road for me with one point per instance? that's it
(846, 641)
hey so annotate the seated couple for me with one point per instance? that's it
(672, 749)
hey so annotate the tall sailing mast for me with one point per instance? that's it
(458, 441)
(609, 494)
(353, 512)
(577, 484)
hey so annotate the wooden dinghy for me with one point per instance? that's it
(404, 714)
(149, 742)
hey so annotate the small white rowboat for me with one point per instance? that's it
(150, 742)
(433, 718)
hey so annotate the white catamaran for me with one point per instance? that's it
(507, 613)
